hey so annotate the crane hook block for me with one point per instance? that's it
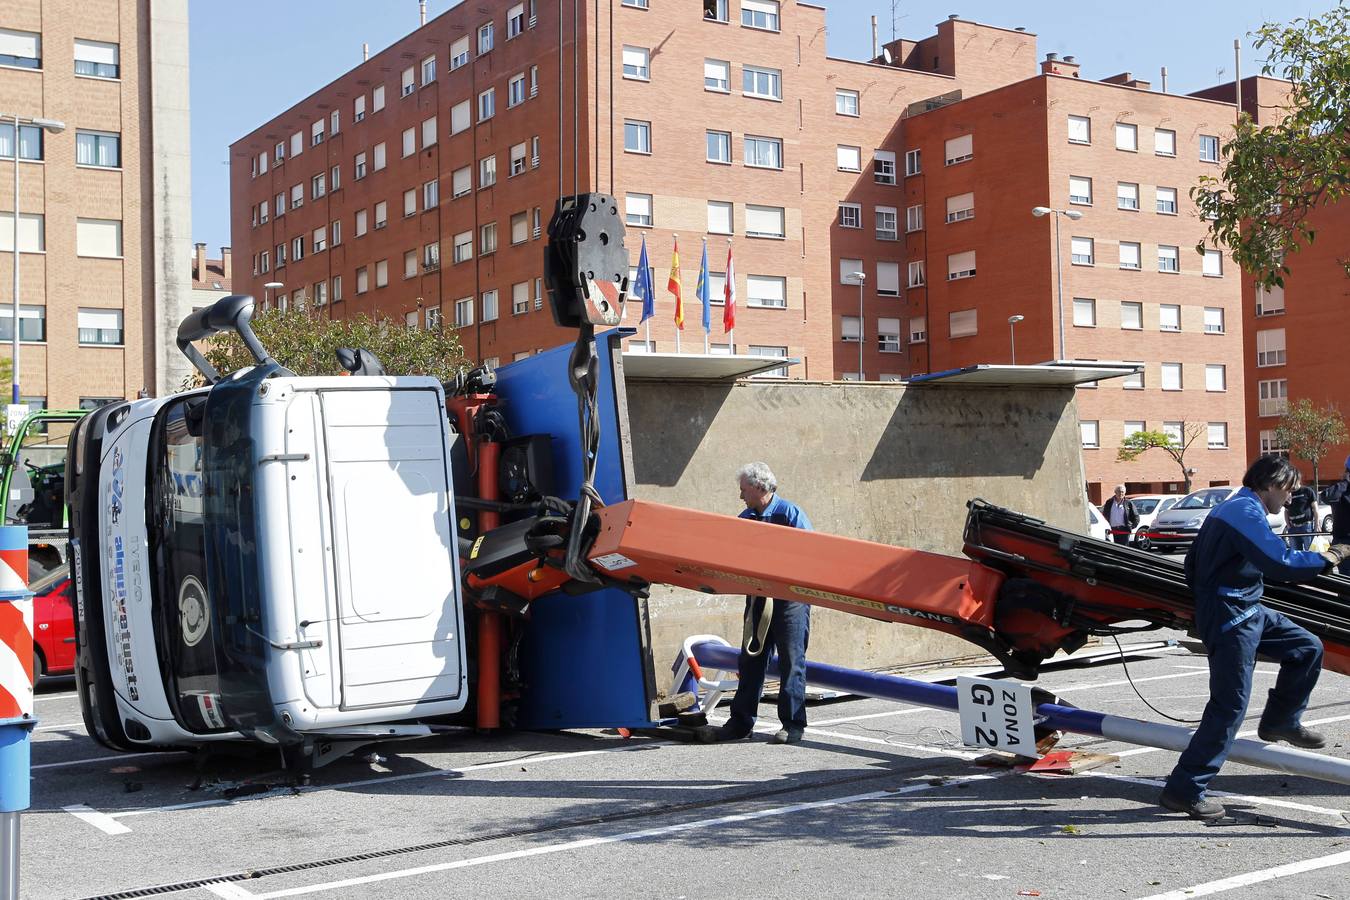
(585, 263)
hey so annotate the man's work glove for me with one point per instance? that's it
(1336, 554)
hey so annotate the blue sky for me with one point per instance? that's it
(252, 59)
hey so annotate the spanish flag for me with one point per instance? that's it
(673, 285)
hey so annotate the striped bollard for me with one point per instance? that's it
(16, 698)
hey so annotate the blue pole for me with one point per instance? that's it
(1289, 760)
(16, 698)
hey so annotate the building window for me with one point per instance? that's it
(1089, 433)
(636, 63)
(1209, 148)
(845, 102)
(1218, 435)
(850, 215)
(335, 178)
(717, 75)
(883, 167)
(431, 195)
(297, 249)
(359, 166)
(320, 293)
(487, 239)
(1214, 320)
(534, 81)
(463, 312)
(1165, 142)
(1269, 444)
(97, 148)
(763, 152)
(428, 70)
(764, 221)
(515, 21)
(887, 223)
(847, 269)
(888, 335)
(1084, 312)
(459, 53)
(337, 288)
(963, 323)
(768, 291)
(377, 98)
(318, 186)
(33, 236)
(22, 49)
(1168, 261)
(1270, 348)
(1213, 264)
(359, 108)
(960, 149)
(1269, 300)
(409, 202)
(487, 104)
(1169, 317)
(760, 14)
(1171, 376)
(32, 323)
(461, 182)
(484, 38)
(487, 171)
(100, 326)
(850, 329)
(316, 133)
(381, 214)
(1080, 190)
(1167, 201)
(913, 162)
(1132, 428)
(638, 209)
(719, 146)
(961, 265)
(719, 217)
(96, 59)
(361, 222)
(1127, 137)
(362, 280)
(1080, 130)
(1216, 378)
(95, 237)
(960, 208)
(1081, 250)
(778, 352)
(918, 329)
(758, 82)
(1134, 381)
(459, 117)
(1129, 255)
(848, 159)
(888, 279)
(409, 142)
(407, 82)
(515, 90)
(916, 274)
(714, 11)
(378, 157)
(520, 298)
(1273, 397)
(636, 4)
(1127, 195)
(914, 217)
(463, 246)
(489, 306)
(637, 138)
(382, 273)
(431, 256)
(319, 239)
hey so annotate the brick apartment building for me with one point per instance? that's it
(417, 187)
(104, 214)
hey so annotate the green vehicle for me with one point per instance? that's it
(33, 485)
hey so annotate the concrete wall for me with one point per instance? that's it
(883, 462)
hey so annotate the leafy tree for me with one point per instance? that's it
(1310, 431)
(1275, 175)
(1134, 445)
(304, 341)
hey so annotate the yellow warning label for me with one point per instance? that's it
(836, 598)
(473, 553)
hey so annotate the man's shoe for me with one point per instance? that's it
(787, 736)
(1198, 809)
(728, 733)
(1293, 734)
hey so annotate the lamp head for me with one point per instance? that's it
(273, 285)
(1039, 211)
(1073, 214)
(1013, 320)
(858, 276)
(55, 126)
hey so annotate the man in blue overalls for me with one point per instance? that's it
(789, 626)
(1225, 567)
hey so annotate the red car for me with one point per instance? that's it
(53, 623)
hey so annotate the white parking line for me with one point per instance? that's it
(228, 889)
(101, 821)
(59, 727)
(42, 698)
(1338, 814)
(1140, 750)
(1250, 878)
(98, 759)
(585, 843)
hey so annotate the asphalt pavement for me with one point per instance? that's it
(879, 800)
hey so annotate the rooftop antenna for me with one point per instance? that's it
(895, 9)
(422, 7)
(365, 52)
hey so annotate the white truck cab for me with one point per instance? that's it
(272, 557)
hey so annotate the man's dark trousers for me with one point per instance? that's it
(1232, 657)
(789, 631)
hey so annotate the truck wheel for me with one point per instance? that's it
(1326, 524)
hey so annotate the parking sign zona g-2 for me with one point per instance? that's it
(996, 715)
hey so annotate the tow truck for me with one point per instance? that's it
(232, 548)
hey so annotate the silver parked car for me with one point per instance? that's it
(1175, 529)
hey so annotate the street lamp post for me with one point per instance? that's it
(861, 277)
(270, 286)
(1012, 336)
(55, 127)
(1073, 215)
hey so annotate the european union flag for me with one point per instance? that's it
(643, 288)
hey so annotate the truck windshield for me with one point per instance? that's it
(37, 487)
(176, 534)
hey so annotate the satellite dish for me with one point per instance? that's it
(886, 55)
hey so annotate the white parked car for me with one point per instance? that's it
(1098, 527)
(1148, 506)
